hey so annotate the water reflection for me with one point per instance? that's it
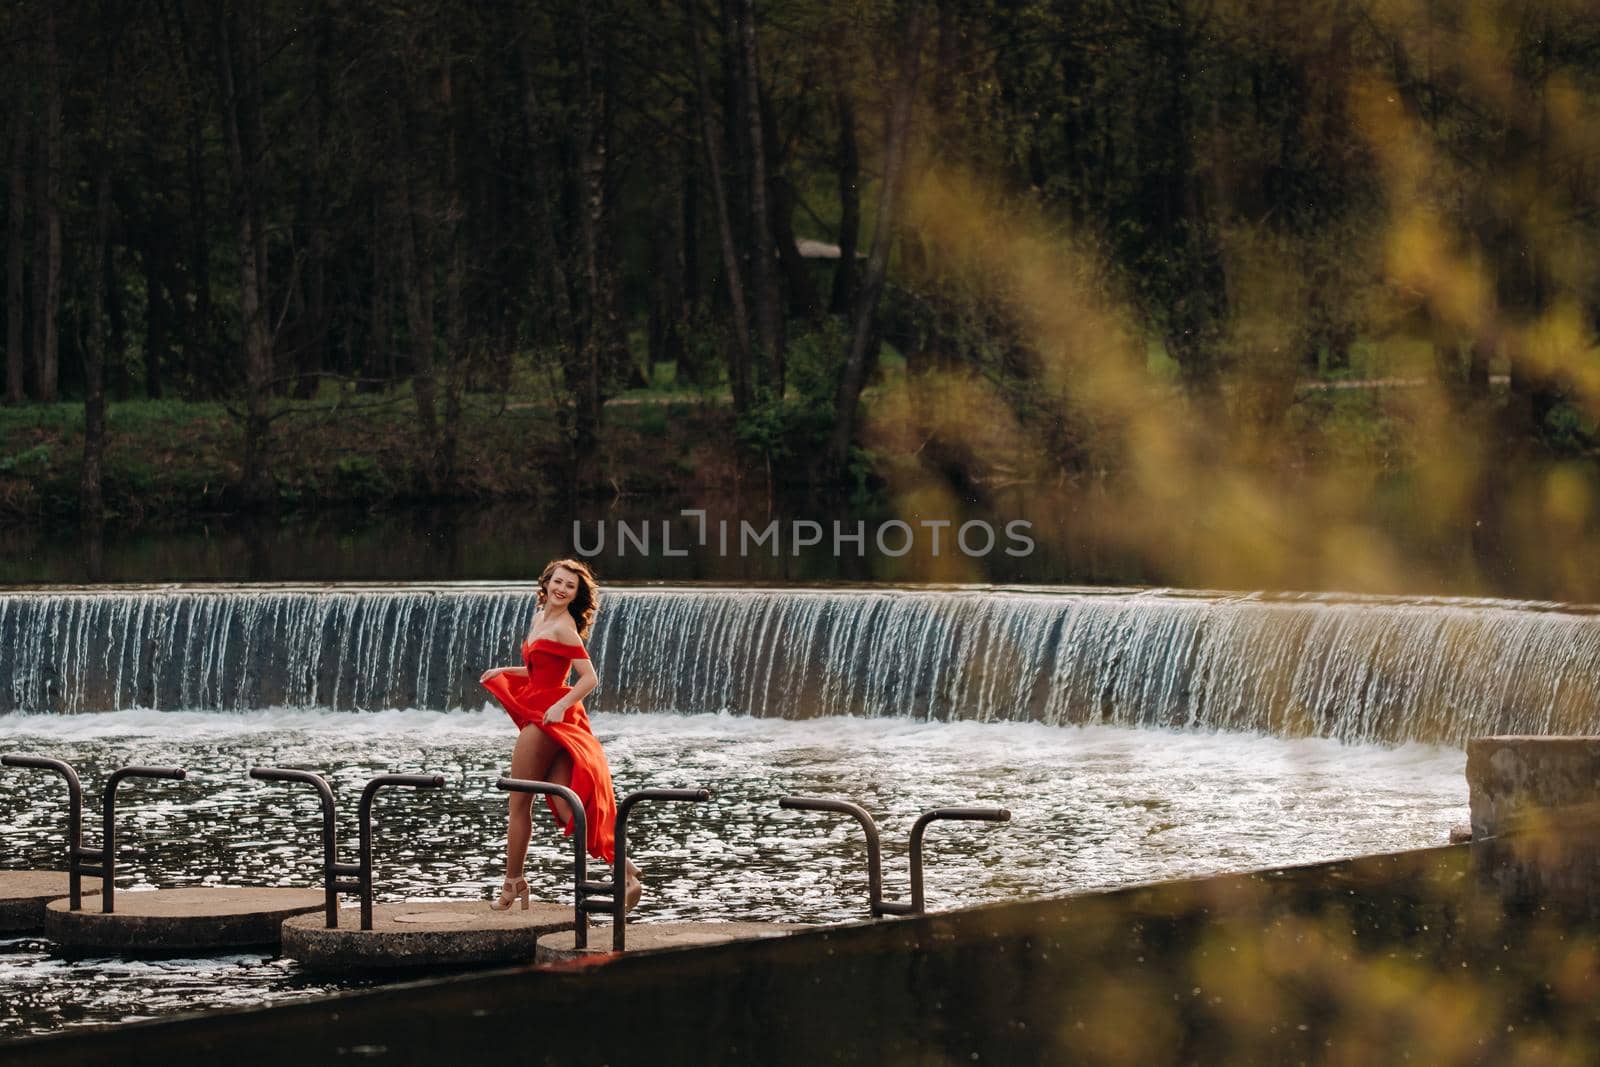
(513, 540)
(1087, 536)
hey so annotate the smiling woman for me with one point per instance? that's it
(555, 743)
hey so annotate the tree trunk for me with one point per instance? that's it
(196, 328)
(552, 259)
(689, 223)
(599, 327)
(1478, 370)
(666, 277)
(313, 356)
(1195, 320)
(803, 298)
(456, 331)
(416, 279)
(414, 224)
(157, 316)
(897, 129)
(47, 224)
(16, 345)
(1535, 390)
(693, 368)
(380, 352)
(94, 351)
(238, 56)
(118, 382)
(739, 355)
(842, 299)
(769, 324)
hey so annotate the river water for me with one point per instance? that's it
(1092, 806)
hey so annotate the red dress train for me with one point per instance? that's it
(527, 699)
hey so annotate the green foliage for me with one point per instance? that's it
(1188, 150)
(361, 478)
(1343, 428)
(1567, 430)
(653, 421)
(795, 427)
(27, 463)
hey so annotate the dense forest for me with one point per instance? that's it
(1087, 235)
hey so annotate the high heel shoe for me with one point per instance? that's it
(633, 883)
(511, 889)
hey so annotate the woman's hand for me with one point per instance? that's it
(555, 715)
(490, 673)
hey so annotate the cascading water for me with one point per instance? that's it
(1353, 668)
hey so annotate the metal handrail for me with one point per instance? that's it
(580, 855)
(332, 870)
(331, 867)
(619, 867)
(601, 896)
(108, 824)
(75, 869)
(878, 905)
(77, 851)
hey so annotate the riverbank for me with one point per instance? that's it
(1381, 489)
(171, 459)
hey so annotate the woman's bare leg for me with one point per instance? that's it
(633, 888)
(560, 773)
(532, 759)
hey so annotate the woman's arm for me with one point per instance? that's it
(584, 685)
(520, 672)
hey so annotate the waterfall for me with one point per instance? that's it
(1354, 668)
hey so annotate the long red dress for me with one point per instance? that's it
(527, 699)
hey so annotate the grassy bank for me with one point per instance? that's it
(169, 458)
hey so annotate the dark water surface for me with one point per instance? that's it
(1083, 537)
(513, 540)
(1091, 807)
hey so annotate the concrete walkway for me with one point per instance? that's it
(195, 919)
(422, 934)
(658, 937)
(23, 895)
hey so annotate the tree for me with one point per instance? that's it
(896, 134)
(47, 219)
(16, 210)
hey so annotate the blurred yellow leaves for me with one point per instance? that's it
(1469, 267)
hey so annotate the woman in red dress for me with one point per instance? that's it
(555, 743)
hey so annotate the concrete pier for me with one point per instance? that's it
(23, 895)
(422, 934)
(658, 937)
(1536, 820)
(197, 919)
(1518, 782)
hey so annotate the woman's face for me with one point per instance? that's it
(561, 587)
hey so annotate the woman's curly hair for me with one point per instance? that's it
(585, 602)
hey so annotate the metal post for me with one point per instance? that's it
(874, 848)
(978, 814)
(415, 781)
(75, 850)
(580, 854)
(619, 866)
(108, 825)
(331, 867)
(880, 907)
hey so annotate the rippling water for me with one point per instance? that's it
(1091, 807)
